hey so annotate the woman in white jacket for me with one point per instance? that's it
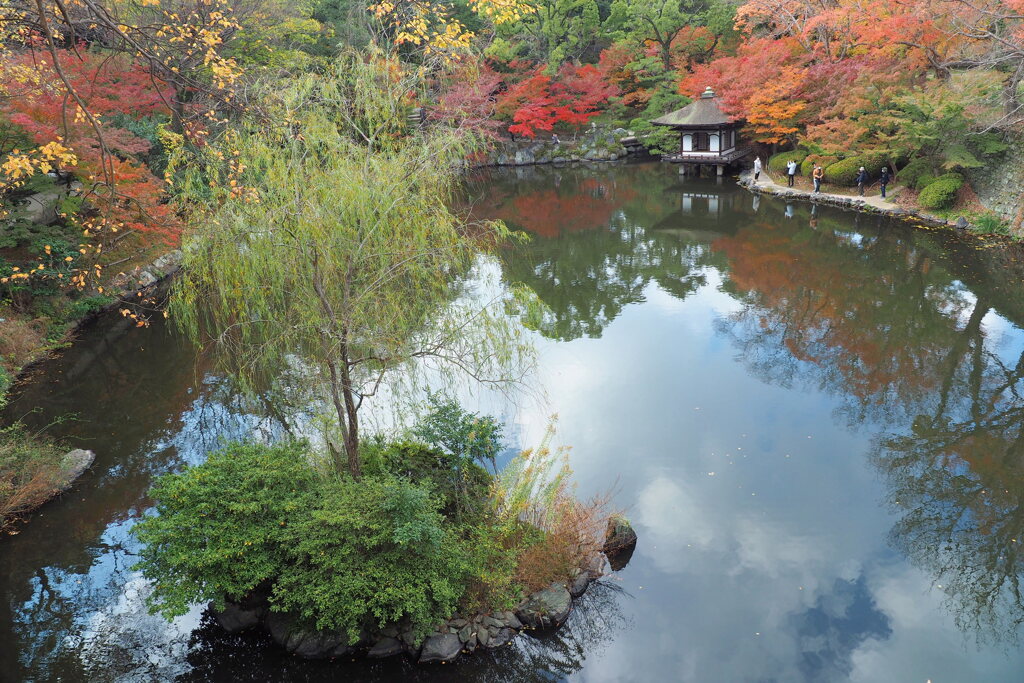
(757, 168)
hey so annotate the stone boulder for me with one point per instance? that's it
(504, 636)
(240, 616)
(440, 647)
(547, 608)
(578, 585)
(619, 542)
(386, 647)
(72, 466)
(306, 642)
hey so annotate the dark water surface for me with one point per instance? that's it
(813, 418)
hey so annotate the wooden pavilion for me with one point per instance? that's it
(707, 136)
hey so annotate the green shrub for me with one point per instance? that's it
(657, 139)
(989, 223)
(460, 484)
(370, 553)
(5, 384)
(941, 193)
(338, 553)
(844, 171)
(465, 435)
(777, 162)
(220, 527)
(924, 180)
(807, 166)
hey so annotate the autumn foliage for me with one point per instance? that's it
(540, 102)
(122, 191)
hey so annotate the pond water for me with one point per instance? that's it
(813, 419)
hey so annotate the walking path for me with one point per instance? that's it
(874, 200)
(869, 204)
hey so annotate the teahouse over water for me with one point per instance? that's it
(707, 136)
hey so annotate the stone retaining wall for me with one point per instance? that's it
(1000, 187)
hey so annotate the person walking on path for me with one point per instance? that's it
(862, 180)
(791, 172)
(883, 179)
(817, 175)
(757, 168)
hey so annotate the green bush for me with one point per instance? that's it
(461, 485)
(777, 162)
(941, 193)
(220, 527)
(370, 553)
(338, 553)
(807, 166)
(657, 139)
(844, 172)
(5, 384)
(923, 181)
(989, 223)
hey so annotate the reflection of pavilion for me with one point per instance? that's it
(702, 210)
(702, 203)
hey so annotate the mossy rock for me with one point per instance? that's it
(777, 162)
(941, 193)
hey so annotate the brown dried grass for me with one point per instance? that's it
(30, 473)
(571, 538)
(20, 340)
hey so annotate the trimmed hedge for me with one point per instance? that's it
(941, 193)
(807, 167)
(844, 172)
(777, 162)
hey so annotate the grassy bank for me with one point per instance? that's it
(30, 473)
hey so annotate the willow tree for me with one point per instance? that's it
(328, 243)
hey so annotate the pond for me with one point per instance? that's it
(812, 417)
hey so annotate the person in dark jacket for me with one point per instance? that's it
(862, 180)
(883, 179)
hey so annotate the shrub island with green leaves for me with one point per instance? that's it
(424, 534)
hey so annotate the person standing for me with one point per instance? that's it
(883, 179)
(862, 180)
(791, 172)
(817, 175)
(757, 168)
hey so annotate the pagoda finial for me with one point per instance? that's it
(708, 93)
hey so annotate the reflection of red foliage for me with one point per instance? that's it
(831, 314)
(590, 204)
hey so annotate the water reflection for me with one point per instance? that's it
(731, 365)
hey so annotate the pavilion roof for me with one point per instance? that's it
(702, 112)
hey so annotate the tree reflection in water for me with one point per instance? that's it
(877, 318)
(957, 482)
(598, 244)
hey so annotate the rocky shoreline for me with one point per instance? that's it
(543, 610)
(855, 203)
